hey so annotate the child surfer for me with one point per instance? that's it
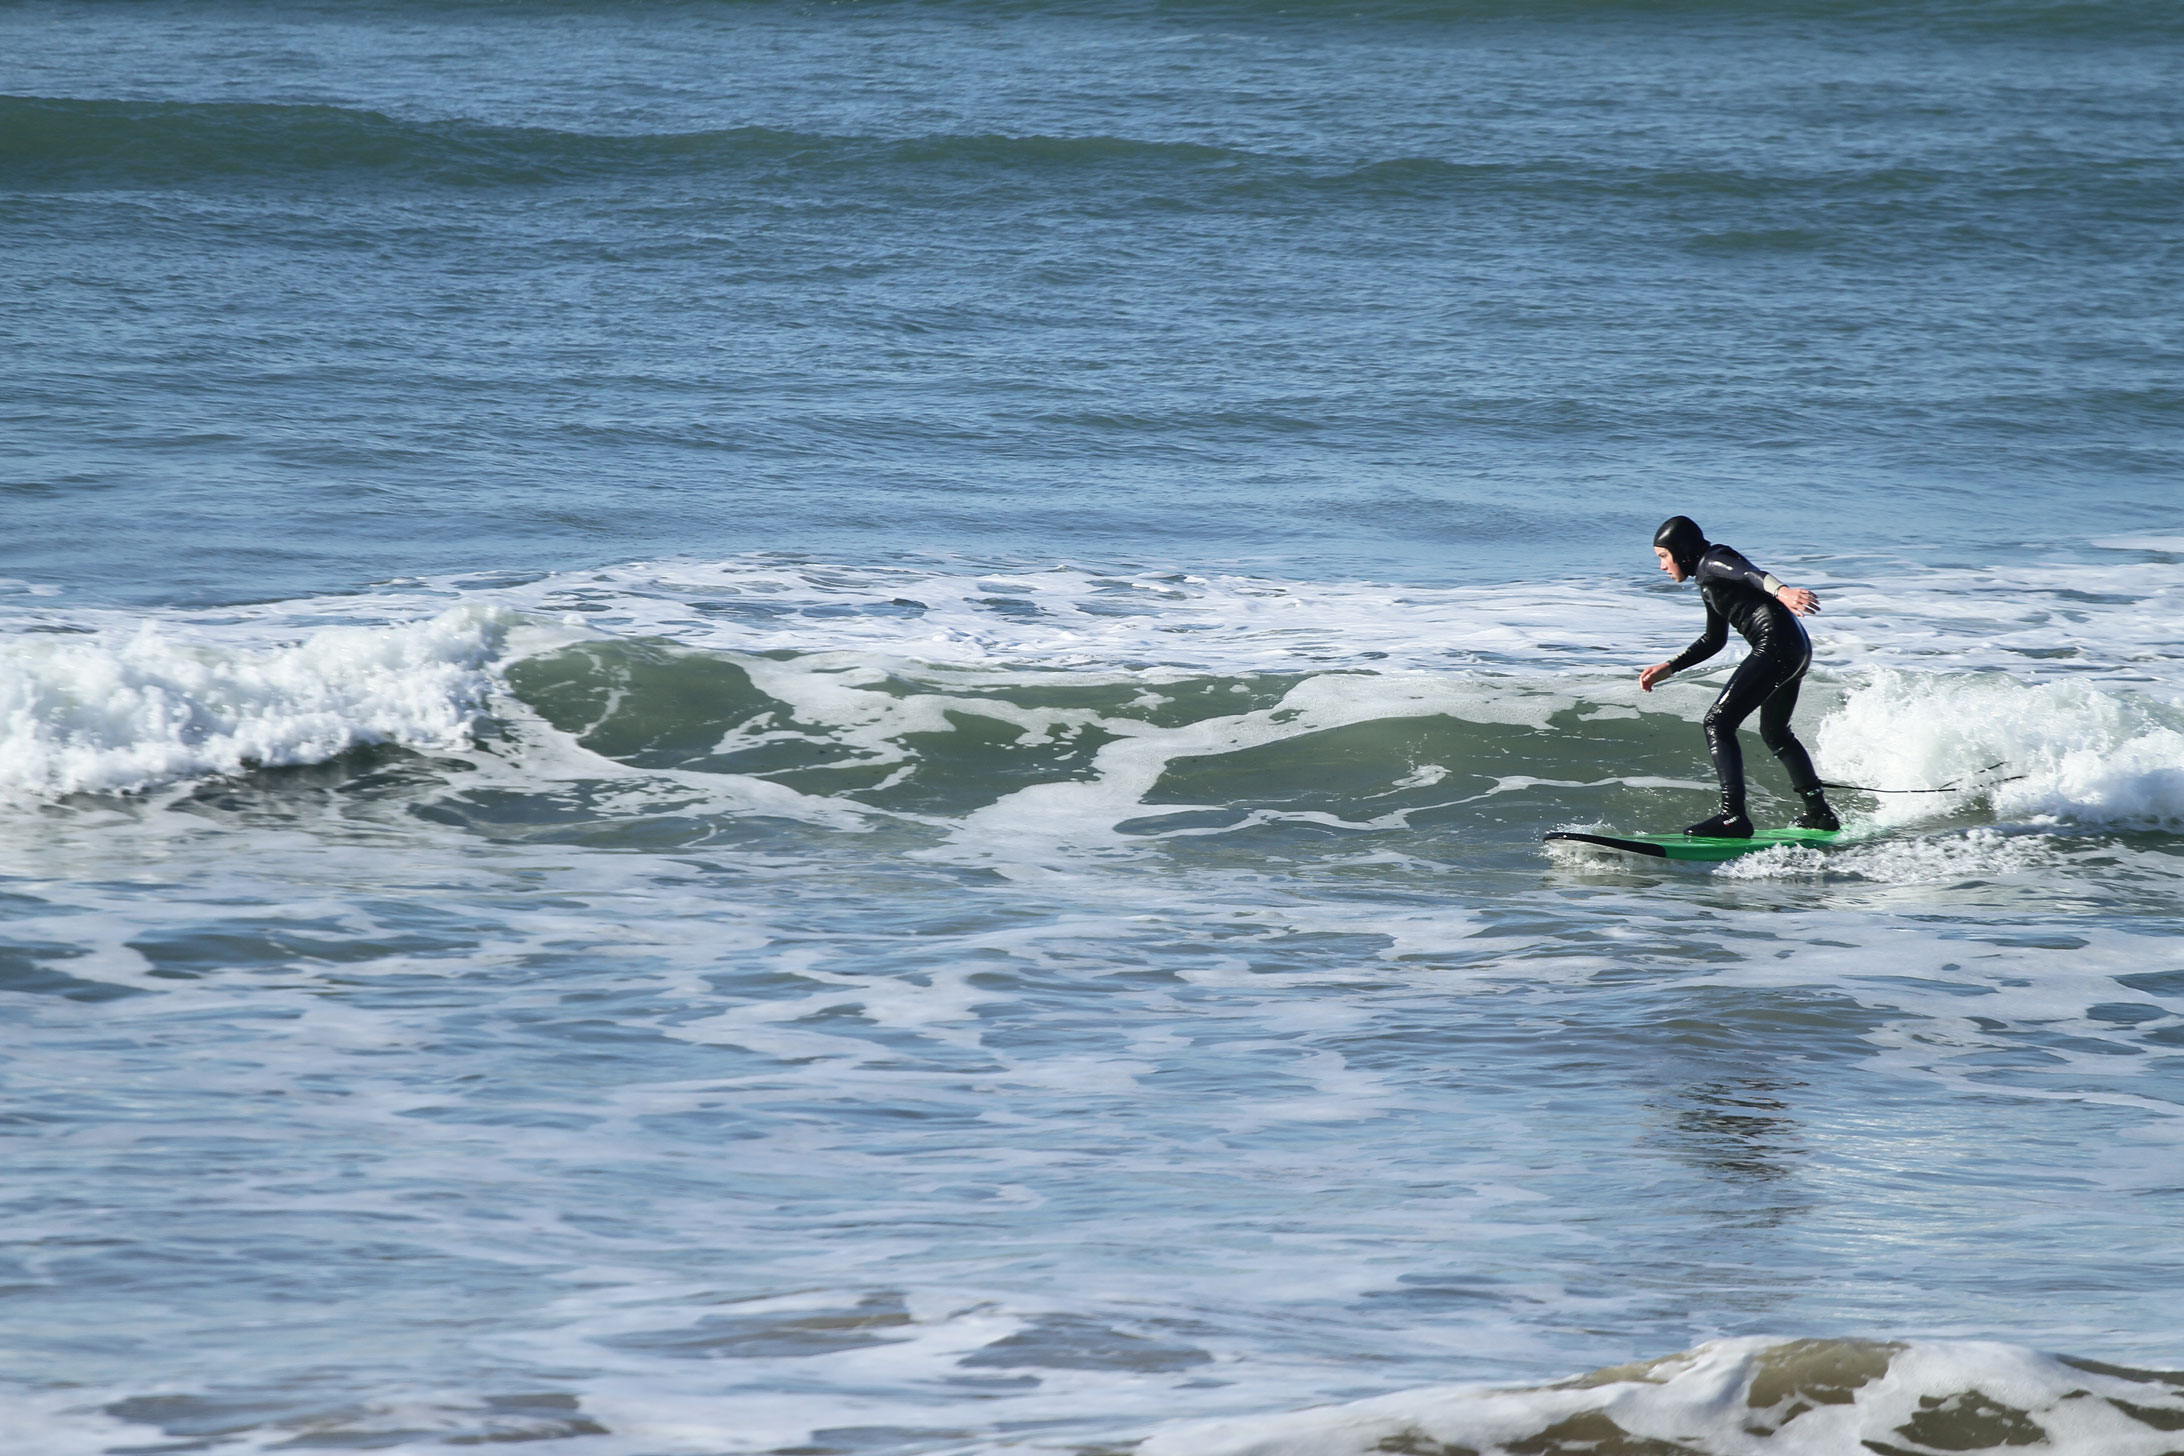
(1738, 594)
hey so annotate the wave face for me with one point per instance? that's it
(1136, 700)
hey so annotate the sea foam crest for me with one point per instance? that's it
(1748, 1397)
(2057, 750)
(128, 711)
(2114, 624)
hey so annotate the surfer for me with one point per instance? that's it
(1738, 594)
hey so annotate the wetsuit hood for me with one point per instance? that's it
(1681, 537)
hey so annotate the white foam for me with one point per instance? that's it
(64, 1423)
(116, 713)
(1926, 859)
(1703, 1402)
(2138, 543)
(2039, 620)
(2069, 619)
(2053, 751)
(1065, 617)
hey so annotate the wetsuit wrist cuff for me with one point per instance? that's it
(1769, 581)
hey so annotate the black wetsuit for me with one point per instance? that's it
(1736, 596)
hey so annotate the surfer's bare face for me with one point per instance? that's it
(1668, 564)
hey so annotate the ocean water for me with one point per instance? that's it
(824, 729)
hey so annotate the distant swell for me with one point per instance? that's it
(58, 144)
(142, 143)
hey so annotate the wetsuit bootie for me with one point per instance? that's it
(1731, 823)
(1817, 814)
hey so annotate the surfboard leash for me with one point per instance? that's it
(1957, 787)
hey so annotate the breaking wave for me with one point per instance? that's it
(139, 707)
(2034, 751)
(1746, 1397)
(1124, 706)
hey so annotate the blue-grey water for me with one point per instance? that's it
(824, 729)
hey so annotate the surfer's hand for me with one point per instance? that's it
(1798, 600)
(1654, 674)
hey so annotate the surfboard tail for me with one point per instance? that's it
(1699, 848)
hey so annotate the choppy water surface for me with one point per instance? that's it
(765, 730)
(1046, 1004)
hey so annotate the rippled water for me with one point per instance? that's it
(1376, 291)
(826, 730)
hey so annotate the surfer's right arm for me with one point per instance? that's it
(1710, 642)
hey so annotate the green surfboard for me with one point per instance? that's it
(1700, 848)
